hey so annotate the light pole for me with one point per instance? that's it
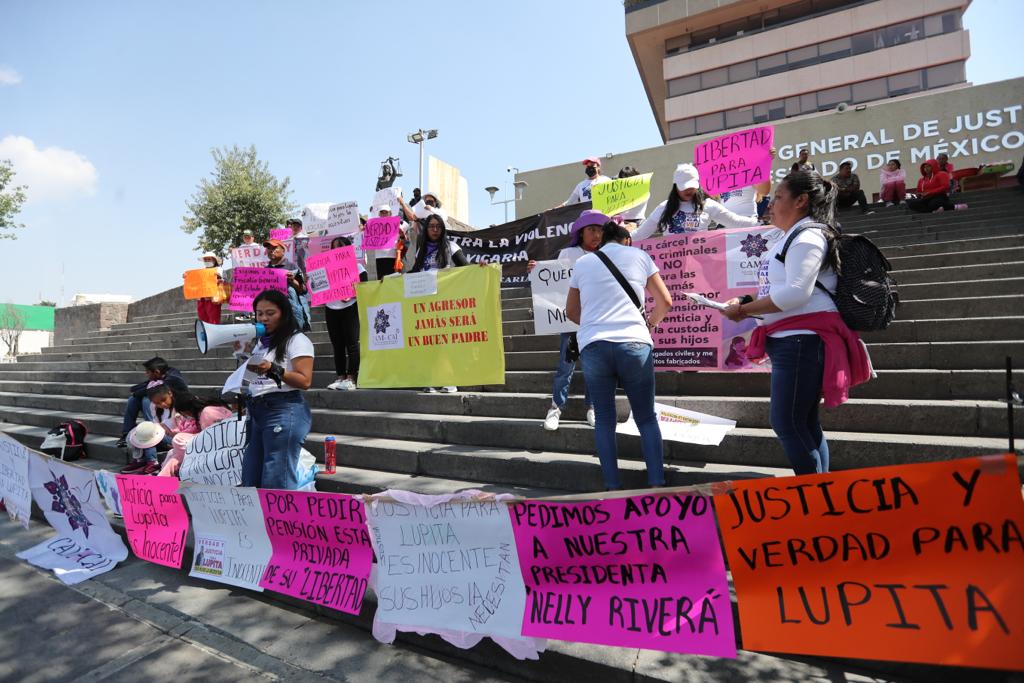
(417, 138)
(519, 185)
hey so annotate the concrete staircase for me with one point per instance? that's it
(938, 394)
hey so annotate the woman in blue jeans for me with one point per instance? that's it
(281, 368)
(616, 346)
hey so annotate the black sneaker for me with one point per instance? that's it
(122, 442)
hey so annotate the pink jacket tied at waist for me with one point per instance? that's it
(846, 358)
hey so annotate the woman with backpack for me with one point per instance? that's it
(813, 352)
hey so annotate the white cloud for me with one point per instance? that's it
(51, 173)
(8, 76)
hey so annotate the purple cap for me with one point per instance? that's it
(587, 218)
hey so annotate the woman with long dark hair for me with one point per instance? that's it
(434, 251)
(689, 209)
(281, 368)
(343, 329)
(183, 415)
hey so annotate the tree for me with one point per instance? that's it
(242, 195)
(12, 324)
(47, 302)
(10, 201)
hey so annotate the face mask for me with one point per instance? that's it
(591, 171)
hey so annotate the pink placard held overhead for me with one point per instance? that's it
(331, 275)
(645, 571)
(381, 233)
(280, 234)
(321, 547)
(247, 283)
(735, 160)
(154, 518)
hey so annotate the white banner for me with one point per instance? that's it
(107, 483)
(549, 283)
(214, 456)
(14, 488)
(686, 426)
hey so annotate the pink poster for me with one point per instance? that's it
(247, 283)
(321, 547)
(645, 571)
(735, 160)
(381, 233)
(280, 234)
(332, 275)
(719, 265)
(154, 518)
(321, 243)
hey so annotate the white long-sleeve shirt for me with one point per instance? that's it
(581, 193)
(686, 219)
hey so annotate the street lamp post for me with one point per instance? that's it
(519, 185)
(418, 138)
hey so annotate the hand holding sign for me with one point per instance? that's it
(200, 283)
(735, 160)
(249, 282)
(381, 233)
(615, 196)
(331, 275)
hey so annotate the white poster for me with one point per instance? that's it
(447, 566)
(214, 455)
(14, 488)
(107, 483)
(314, 218)
(743, 254)
(389, 196)
(420, 284)
(342, 218)
(685, 426)
(232, 545)
(386, 323)
(549, 283)
(253, 256)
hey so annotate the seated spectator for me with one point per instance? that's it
(802, 163)
(894, 183)
(182, 415)
(932, 191)
(848, 188)
(142, 442)
(946, 167)
(157, 372)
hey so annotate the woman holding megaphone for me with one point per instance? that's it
(279, 370)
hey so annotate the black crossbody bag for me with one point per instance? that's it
(572, 353)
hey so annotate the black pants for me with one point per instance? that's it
(343, 329)
(385, 266)
(845, 199)
(930, 203)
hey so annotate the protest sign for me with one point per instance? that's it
(254, 256)
(918, 563)
(538, 238)
(453, 337)
(343, 218)
(420, 284)
(735, 160)
(154, 518)
(645, 571)
(322, 243)
(200, 283)
(389, 196)
(85, 545)
(249, 282)
(449, 565)
(321, 547)
(685, 426)
(549, 286)
(615, 196)
(331, 275)
(720, 265)
(214, 456)
(231, 545)
(280, 234)
(381, 234)
(106, 481)
(14, 489)
(314, 218)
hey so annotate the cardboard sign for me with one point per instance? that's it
(321, 547)
(645, 571)
(314, 218)
(14, 488)
(106, 482)
(381, 233)
(735, 160)
(331, 275)
(154, 518)
(615, 196)
(280, 234)
(549, 286)
(685, 426)
(343, 218)
(322, 243)
(253, 256)
(200, 283)
(913, 563)
(389, 196)
(214, 456)
(248, 283)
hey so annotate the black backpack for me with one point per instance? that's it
(72, 447)
(866, 295)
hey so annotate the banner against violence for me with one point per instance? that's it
(447, 565)
(200, 283)
(452, 337)
(381, 233)
(615, 196)
(85, 545)
(538, 238)
(735, 160)
(549, 286)
(249, 282)
(685, 426)
(321, 547)
(214, 455)
(918, 563)
(14, 489)
(342, 218)
(331, 275)
(644, 571)
(231, 543)
(154, 518)
(717, 264)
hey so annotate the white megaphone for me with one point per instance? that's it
(210, 336)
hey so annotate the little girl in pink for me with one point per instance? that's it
(183, 415)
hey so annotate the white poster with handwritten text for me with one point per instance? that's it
(14, 490)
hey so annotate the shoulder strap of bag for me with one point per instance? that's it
(622, 281)
(793, 234)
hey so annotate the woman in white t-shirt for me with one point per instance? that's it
(434, 251)
(616, 346)
(343, 329)
(280, 369)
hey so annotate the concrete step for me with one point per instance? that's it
(957, 246)
(948, 330)
(982, 271)
(961, 307)
(945, 235)
(971, 288)
(955, 258)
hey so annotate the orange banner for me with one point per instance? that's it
(914, 563)
(200, 283)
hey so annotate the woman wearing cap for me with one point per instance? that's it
(386, 258)
(343, 329)
(208, 309)
(688, 209)
(581, 193)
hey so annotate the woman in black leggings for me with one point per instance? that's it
(343, 329)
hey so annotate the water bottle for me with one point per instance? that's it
(330, 456)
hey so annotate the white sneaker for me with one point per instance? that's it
(347, 385)
(430, 390)
(336, 385)
(591, 419)
(888, 204)
(449, 390)
(551, 421)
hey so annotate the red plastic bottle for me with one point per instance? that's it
(330, 455)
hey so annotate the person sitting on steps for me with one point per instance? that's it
(157, 371)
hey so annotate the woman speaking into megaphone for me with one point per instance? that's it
(281, 368)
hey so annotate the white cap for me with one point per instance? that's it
(686, 177)
(382, 207)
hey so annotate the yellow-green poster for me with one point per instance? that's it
(432, 329)
(615, 196)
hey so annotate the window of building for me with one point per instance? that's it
(677, 44)
(714, 78)
(772, 64)
(833, 96)
(901, 84)
(946, 74)
(793, 106)
(907, 32)
(835, 49)
(684, 85)
(866, 91)
(744, 71)
(933, 26)
(802, 56)
(862, 42)
(709, 123)
(808, 103)
(681, 129)
(739, 117)
(950, 22)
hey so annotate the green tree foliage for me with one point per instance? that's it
(11, 200)
(241, 195)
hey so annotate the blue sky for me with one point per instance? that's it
(117, 105)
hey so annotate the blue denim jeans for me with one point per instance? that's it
(299, 307)
(132, 409)
(798, 363)
(606, 365)
(277, 428)
(563, 376)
